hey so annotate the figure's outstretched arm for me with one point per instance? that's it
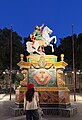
(41, 26)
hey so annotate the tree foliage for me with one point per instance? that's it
(66, 48)
(17, 48)
(78, 51)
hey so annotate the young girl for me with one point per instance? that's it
(31, 100)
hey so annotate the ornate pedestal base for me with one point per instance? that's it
(56, 101)
(65, 112)
(19, 100)
(16, 111)
(53, 101)
(54, 97)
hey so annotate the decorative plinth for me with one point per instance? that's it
(64, 112)
(19, 105)
(54, 97)
(55, 105)
(19, 98)
(16, 111)
(47, 75)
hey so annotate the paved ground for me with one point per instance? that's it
(5, 103)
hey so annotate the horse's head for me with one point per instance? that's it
(48, 30)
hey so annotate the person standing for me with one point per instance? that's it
(31, 101)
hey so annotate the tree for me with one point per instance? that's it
(65, 48)
(17, 49)
(78, 50)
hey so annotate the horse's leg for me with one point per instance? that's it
(29, 47)
(54, 39)
(52, 47)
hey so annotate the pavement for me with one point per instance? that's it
(5, 114)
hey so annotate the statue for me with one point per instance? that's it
(38, 32)
(40, 38)
(45, 34)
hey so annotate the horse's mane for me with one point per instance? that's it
(45, 28)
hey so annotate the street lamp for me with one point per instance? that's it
(10, 61)
(73, 65)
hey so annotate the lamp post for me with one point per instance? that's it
(10, 61)
(73, 65)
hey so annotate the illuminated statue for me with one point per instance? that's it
(38, 32)
(45, 34)
(40, 38)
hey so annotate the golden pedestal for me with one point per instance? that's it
(47, 75)
(54, 96)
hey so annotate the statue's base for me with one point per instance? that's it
(19, 105)
(53, 101)
(16, 111)
(55, 105)
(64, 112)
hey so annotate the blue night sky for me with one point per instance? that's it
(59, 15)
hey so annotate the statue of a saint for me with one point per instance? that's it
(37, 34)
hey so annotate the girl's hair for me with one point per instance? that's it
(30, 94)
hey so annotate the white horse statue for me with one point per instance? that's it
(33, 47)
(45, 34)
(45, 41)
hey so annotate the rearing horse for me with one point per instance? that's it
(44, 41)
(45, 34)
